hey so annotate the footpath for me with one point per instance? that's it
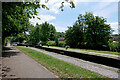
(16, 64)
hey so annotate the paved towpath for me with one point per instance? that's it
(18, 65)
(98, 68)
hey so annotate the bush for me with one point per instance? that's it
(114, 46)
(61, 43)
(51, 43)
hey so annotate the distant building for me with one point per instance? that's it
(114, 37)
(61, 39)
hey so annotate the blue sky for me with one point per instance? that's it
(61, 20)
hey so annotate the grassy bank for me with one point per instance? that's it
(106, 52)
(59, 67)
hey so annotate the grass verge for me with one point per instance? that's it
(59, 67)
(98, 51)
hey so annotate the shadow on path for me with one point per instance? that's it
(9, 51)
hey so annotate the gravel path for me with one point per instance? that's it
(18, 65)
(98, 68)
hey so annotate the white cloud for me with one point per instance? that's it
(114, 26)
(43, 19)
(54, 5)
(60, 29)
(54, 10)
(101, 5)
(106, 9)
(47, 17)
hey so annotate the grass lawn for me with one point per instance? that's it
(106, 52)
(61, 68)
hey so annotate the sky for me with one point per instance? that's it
(62, 19)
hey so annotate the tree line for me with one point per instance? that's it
(88, 31)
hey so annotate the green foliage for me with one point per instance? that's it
(61, 43)
(74, 36)
(89, 31)
(42, 33)
(7, 39)
(51, 43)
(45, 32)
(60, 34)
(114, 46)
(97, 33)
(21, 37)
(52, 34)
(15, 17)
(56, 41)
(35, 35)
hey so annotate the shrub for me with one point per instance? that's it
(61, 43)
(114, 46)
(51, 43)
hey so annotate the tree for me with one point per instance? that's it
(74, 36)
(60, 34)
(56, 40)
(97, 32)
(35, 35)
(52, 32)
(45, 32)
(15, 16)
(20, 37)
(42, 33)
(88, 31)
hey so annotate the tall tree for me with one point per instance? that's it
(52, 33)
(90, 31)
(74, 36)
(35, 35)
(97, 32)
(15, 17)
(45, 32)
